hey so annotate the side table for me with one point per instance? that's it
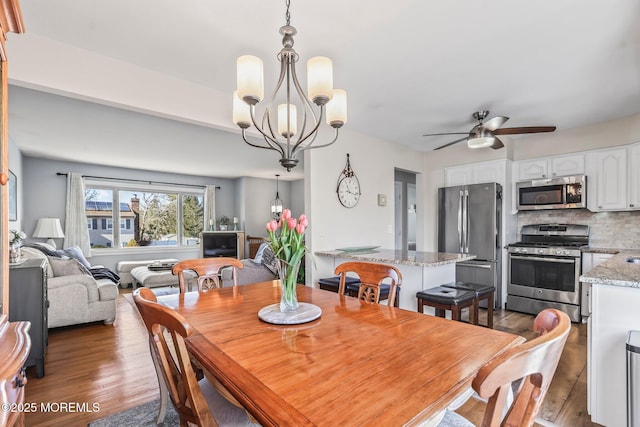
(28, 301)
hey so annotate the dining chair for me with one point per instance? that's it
(533, 363)
(197, 401)
(207, 270)
(254, 245)
(371, 276)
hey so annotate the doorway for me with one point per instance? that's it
(405, 210)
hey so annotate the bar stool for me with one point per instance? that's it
(451, 299)
(353, 286)
(483, 292)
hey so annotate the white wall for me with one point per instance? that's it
(334, 226)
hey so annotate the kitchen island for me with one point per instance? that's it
(420, 270)
(614, 300)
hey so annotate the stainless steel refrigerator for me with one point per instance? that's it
(469, 221)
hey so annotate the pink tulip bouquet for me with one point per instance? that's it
(287, 242)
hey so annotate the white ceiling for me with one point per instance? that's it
(409, 68)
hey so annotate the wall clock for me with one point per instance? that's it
(348, 186)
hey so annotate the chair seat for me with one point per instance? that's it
(448, 296)
(453, 419)
(333, 283)
(479, 289)
(224, 412)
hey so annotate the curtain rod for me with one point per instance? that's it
(217, 187)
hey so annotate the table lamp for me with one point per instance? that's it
(49, 228)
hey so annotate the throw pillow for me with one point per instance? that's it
(269, 260)
(259, 254)
(66, 267)
(76, 253)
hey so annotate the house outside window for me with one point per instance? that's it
(147, 216)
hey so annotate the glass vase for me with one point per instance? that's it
(14, 253)
(288, 274)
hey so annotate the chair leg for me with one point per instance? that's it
(164, 390)
(490, 303)
(476, 315)
(420, 305)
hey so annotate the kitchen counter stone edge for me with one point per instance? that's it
(390, 256)
(616, 271)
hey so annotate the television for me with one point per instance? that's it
(222, 244)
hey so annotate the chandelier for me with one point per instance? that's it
(289, 126)
(276, 204)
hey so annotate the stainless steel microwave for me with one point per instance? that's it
(565, 192)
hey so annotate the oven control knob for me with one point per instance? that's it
(566, 252)
(524, 250)
(559, 252)
(540, 251)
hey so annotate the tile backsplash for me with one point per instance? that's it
(606, 229)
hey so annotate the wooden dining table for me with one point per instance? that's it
(358, 364)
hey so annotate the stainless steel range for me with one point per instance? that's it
(544, 269)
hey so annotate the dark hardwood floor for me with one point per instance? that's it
(110, 366)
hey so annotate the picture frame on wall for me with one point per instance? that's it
(13, 197)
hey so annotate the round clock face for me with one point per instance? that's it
(349, 191)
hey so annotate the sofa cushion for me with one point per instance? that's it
(66, 267)
(76, 253)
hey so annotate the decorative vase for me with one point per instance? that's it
(288, 274)
(14, 253)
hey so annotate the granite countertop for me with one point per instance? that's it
(597, 250)
(391, 256)
(616, 271)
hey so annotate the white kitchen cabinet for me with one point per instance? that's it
(614, 313)
(591, 260)
(476, 173)
(617, 179)
(550, 167)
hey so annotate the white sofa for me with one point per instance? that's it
(77, 298)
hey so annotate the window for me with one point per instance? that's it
(148, 216)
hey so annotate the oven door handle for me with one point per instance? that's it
(551, 259)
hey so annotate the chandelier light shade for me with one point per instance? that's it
(276, 204)
(291, 120)
(48, 228)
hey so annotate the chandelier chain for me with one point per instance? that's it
(287, 14)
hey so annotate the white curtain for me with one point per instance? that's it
(75, 230)
(209, 206)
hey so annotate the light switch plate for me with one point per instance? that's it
(382, 200)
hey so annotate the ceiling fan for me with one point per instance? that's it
(484, 134)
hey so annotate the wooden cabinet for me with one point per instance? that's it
(616, 186)
(551, 167)
(28, 302)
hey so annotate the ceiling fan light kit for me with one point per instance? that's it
(483, 134)
(331, 104)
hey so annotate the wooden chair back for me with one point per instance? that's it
(173, 358)
(254, 244)
(534, 362)
(208, 271)
(371, 276)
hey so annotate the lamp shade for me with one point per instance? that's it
(48, 228)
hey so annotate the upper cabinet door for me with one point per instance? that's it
(567, 165)
(551, 167)
(533, 169)
(634, 177)
(611, 179)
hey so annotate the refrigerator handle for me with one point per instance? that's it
(460, 215)
(465, 224)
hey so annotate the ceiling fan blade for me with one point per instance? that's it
(528, 129)
(451, 143)
(497, 144)
(495, 123)
(448, 133)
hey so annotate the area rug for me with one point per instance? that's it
(140, 416)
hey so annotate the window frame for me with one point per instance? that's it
(116, 186)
